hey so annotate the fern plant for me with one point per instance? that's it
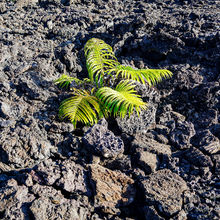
(110, 88)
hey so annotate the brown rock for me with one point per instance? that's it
(112, 188)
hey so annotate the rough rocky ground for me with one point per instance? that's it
(163, 165)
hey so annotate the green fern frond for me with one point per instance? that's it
(121, 100)
(65, 81)
(81, 107)
(99, 58)
(151, 76)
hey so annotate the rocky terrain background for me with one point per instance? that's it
(164, 164)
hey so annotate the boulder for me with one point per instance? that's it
(99, 140)
(112, 189)
(163, 189)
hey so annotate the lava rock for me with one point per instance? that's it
(14, 200)
(217, 164)
(147, 161)
(197, 158)
(73, 178)
(141, 141)
(182, 133)
(207, 142)
(151, 213)
(163, 189)
(100, 140)
(7, 123)
(111, 188)
(49, 208)
(122, 163)
(67, 175)
(205, 119)
(134, 124)
(49, 171)
(5, 109)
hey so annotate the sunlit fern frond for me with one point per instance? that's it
(121, 100)
(65, 81)
(151, 76)
(99, 58)
(82, 107)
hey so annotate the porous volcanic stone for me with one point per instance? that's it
(150, 145)
(111, 188)
(73, 178)
(181, 134)
(147, 161)
(217, 164)
(99, 140)
(150, 213)
(14, 200)
(49, 208)
(164, 189)
(65, 174)
(49, 171)
(4, 109)
(133, 124)
(207, 142)
(197, 158)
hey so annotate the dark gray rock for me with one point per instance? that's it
(39, 149)
(67, 57)
(207, 142)
(66, 175)
(151, 213)
(181, 135)
(73, 178)
(49, 171)
(7, 123)
(24, 144)
(205, 119)
(5, 109)
(14, 200)
(215, 129)
(197, 158)
(141, 141)
(122, 163)
(181, 36)
(164, 190)
(135, 124)
(53, 208)
(147, 161)
(181, 131)
(148, 94)
(2, 7)
(217, 164)
(208, 95)
(100, 140)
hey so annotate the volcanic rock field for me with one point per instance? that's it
(162, 164)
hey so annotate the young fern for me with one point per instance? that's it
(65, 81)
(99, 58)
(88, 106)
(150, 76)
(82, 107)
(121, 100)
